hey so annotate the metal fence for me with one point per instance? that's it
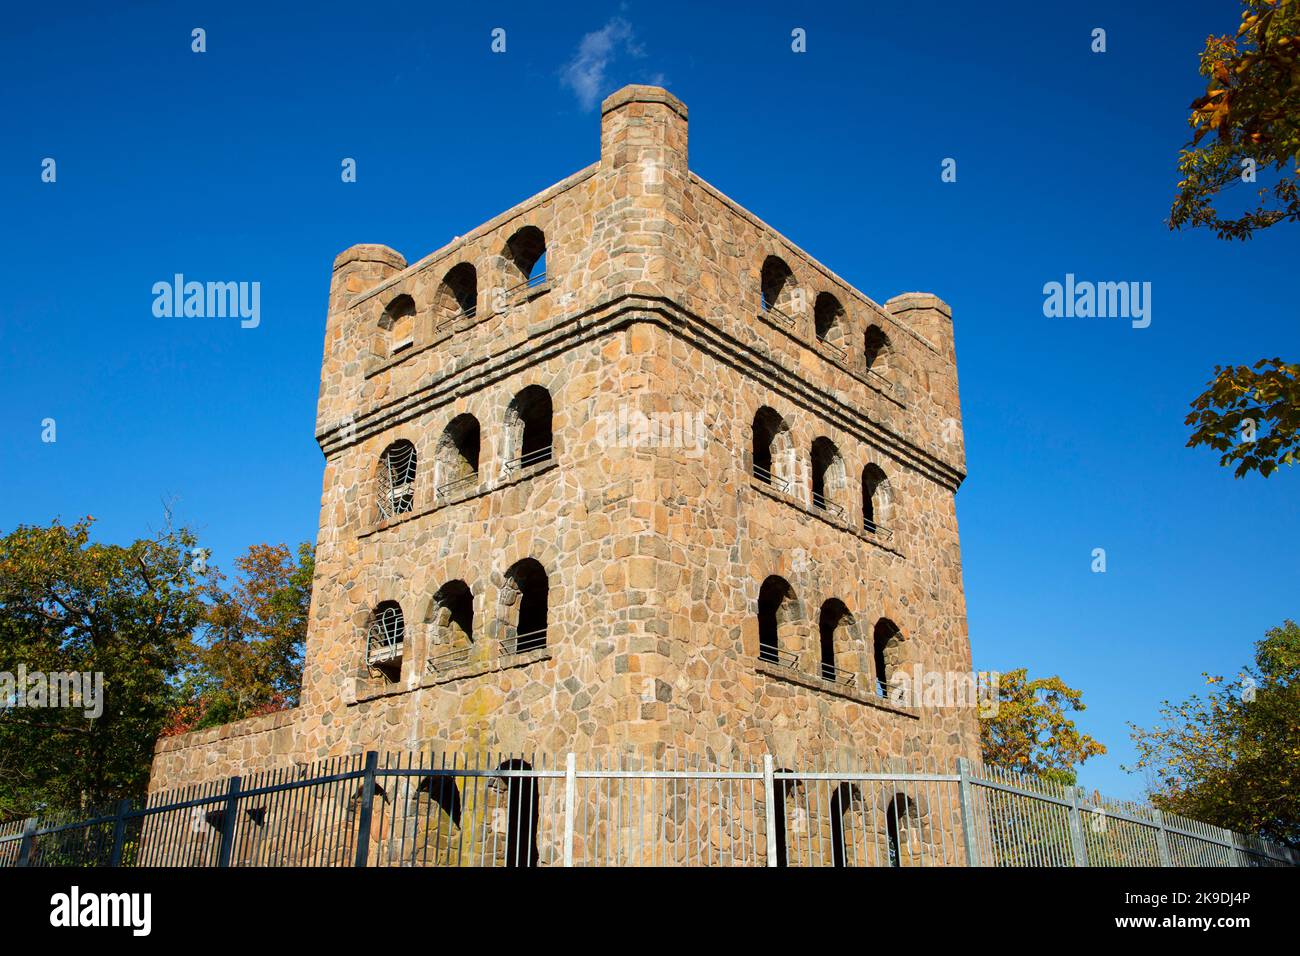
(518, 810)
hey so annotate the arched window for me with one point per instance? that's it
(457, 296)
(773, 460)
(396, 494)
(886, 653)
(525, 258)
(385, 640)
(875, 501)
(525, 596)
(779, 296)
(789, 804)
(451, 620)
(457, 457)
(398, 324)
(829, 322)
(528, 428)
(434, 821)
(847, 840)
(901, 821)
(521, 811)
(834, 626)
(776, 607)
(875, 350)
(827, 477)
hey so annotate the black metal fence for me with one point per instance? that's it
(522, 810)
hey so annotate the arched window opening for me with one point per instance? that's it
(875, 350)
(827, 477)
(526, 596)
(875, 501)
(528, 428)
(829, 321)
(457, 457)
(398, 322)
(846, 839)
(396, 494)
(776, 607)
(525, 256)
(790, 814)
(771, 444)
(452, 625)
(834, 624)
(457, 296)
(779, 296)
(385, 640)
(521, 812)
(901, 821)
(886, 654)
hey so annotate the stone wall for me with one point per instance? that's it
(655, 542)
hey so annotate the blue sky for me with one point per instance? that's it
(225, 165)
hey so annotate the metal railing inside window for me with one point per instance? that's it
(458, 486)
(878, 530)
(766, 477)
(535, 457)
(774, 655)
(837, 351)
(822, 503)
(445, 661)
(837, 674)
(397, 480)
(523, 643)
(385, 636)
(529, 284)
(780, 315)
(456, 317)
(885, 384)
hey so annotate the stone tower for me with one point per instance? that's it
(624, 469)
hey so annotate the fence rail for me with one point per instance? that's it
(523, 810)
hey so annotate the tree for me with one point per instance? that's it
(68, 605)
(1252, 416)
(247, 657)
(1232, 758)
(1251, 107)
(1029, 731)
(1251, 112)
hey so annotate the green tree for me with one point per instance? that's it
(1250, 415)
(70, 605)
(1247, 123)
(246, 658)
(1232, 757)
(1030, 731)
(1248, 119)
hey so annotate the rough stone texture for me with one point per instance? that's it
(654, 555)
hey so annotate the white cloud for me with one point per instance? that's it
(586, 73)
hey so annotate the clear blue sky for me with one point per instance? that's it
(225, 166)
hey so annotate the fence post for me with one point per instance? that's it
(769, 805)
(1076, 830)
(229, 818)
(1162, 840)
(964, 794)
(27, 845)
(570, 804)
(367, 805)
(1230, 838)
(119, 831)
